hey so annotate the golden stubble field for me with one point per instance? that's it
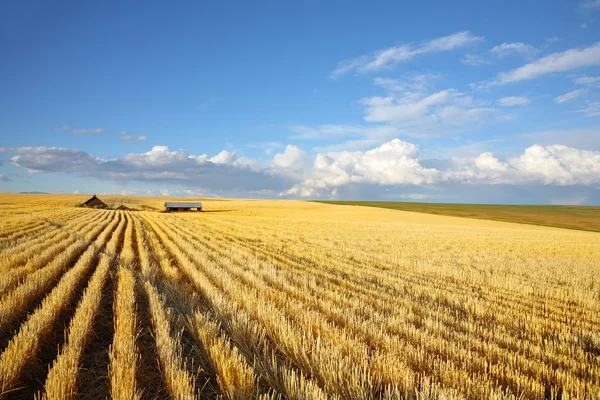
(291, 300)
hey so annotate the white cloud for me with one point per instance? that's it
(393, 163)
(4, 178)
(409, 83)
(124, 137)
(397, 163)
(552, 63)
(224, 171)
(62, 128)
(224, 157)
(393, 85)
(392, 56)
(130, 138)
(506, 49)
(501, 51)
(291, 156)
(592, 81)
(392, 109)
(549, 165)
(474, 60)
(510, 101)
(92, 131)
(592, 109)
(569, 96)
(416, 109)
(588, 138)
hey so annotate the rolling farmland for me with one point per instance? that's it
(291, 300)
(585, 218)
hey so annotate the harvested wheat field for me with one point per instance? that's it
(291, 300)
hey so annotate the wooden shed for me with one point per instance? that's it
(182, 206)
(94, 202)
(123, 207)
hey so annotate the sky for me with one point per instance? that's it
(466, 101)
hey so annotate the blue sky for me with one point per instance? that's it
(465, 102)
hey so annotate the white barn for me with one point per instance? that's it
(183, 206)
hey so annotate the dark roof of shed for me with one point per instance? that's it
(94, 199)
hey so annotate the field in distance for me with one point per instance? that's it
(585, 218)
(259, 299)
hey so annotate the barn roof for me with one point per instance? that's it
(94, 201)
(183, 204)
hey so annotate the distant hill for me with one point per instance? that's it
(34, 193)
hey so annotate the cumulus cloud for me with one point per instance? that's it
(510, 101)
(549, 165)
(569, 96)
(397, 163)
(4, 178)
(387, 58)
(506, 49)
(291, 156)
(292, 172)
(224, 171)
(393, 163)
(552, 63)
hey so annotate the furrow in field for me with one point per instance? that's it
(359, 385)
(425, 298)
(371, 257)
(225, 372)
(281, 290)
(19, 357)
(19, 228)
(42, 254)
(468, 337)
(16, 231)
(63, 378)
(61, 383)
(508, 299)
(15, 255)
(94, 358)
(177, 303)
(179, 380)
(249, 336)
(17, 302)
(124, 354)
(586, 371)
(521, 377)
(23, 233)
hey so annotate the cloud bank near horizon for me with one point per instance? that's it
(295, 173)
